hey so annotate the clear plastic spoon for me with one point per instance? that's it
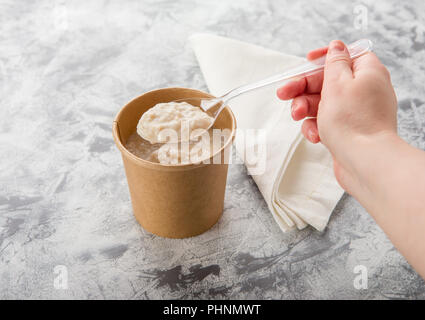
(214, 106)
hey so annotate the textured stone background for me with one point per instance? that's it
(65, 70)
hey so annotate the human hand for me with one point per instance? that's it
(352, 108)
(347, 101)
(348, 98)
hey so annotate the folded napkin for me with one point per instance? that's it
(297, 181)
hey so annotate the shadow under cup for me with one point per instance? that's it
(173, 201)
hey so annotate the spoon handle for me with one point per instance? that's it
(355, 49)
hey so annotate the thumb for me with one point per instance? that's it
(338, 62)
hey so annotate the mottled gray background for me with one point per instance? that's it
(66, 68)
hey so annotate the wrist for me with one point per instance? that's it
(371, 158)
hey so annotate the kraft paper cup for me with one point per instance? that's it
(173, 201)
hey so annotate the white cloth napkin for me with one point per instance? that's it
(298, 182)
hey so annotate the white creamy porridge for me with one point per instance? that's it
(144, 142)
(156, 123)
(173, 153)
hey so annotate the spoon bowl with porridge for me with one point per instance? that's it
(173, 122)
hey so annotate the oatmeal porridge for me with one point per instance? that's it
(194, 146)
(156, 124)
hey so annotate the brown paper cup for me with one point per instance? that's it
(174, 201)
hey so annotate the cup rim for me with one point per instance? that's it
(160, 166)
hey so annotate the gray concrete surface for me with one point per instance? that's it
(66, 68)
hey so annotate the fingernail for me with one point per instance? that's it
(311, 135)
(336, 46)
